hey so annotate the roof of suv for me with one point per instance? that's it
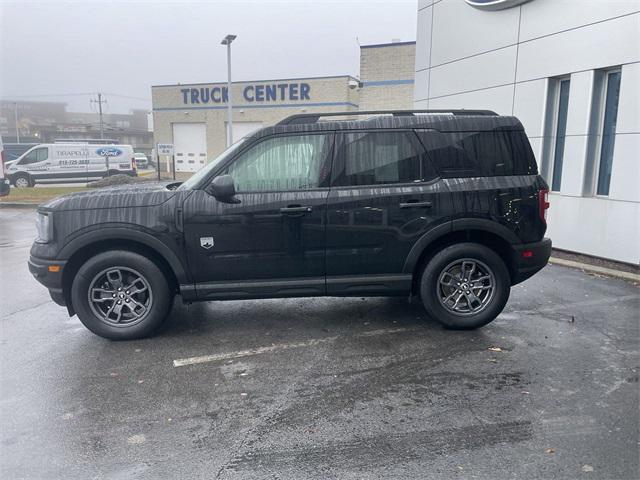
(444, 122)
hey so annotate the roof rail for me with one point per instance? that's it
(314, 117)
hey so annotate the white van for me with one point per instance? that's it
(70, 162)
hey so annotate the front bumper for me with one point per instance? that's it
(49, 274)
(529, 258)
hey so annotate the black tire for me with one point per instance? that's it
(482, 304)
(155, 295)
(20, 178)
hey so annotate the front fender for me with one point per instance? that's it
(133, 233)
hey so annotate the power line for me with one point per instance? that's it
(128, 96)
(50, 95)
(53, 95)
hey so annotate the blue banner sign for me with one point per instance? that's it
(251, 93)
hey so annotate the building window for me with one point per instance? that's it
(562, 108)
(610, 116)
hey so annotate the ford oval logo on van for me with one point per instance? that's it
(109, 151)
(495, 4)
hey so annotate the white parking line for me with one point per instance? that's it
(181, 362)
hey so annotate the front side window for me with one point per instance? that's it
(281, 163)
(608, 132)
(374, 158)
(36, 155)
(561, 130)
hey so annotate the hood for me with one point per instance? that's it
(124, 196)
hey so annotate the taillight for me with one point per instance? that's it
(543, 203)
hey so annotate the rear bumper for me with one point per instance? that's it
(39, 268)
(529, 258)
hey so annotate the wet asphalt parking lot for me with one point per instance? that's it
(322, 388)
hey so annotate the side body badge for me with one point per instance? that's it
(206, 242)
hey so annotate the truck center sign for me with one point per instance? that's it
(251, 93)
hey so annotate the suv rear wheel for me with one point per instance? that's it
(465, 286)
(121, 295)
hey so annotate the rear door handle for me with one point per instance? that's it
(416, 204)
(296, 210)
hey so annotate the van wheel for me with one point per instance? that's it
(22, 180)
(121, 295)
(465, 286)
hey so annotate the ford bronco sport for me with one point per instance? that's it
(446, 206)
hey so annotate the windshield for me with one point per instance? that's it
(204, 171)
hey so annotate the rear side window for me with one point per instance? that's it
(469, 154)
(377, 158)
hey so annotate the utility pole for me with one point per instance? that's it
(15, 114)
(100, 101)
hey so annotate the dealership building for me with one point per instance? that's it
(193, 117)
(570, 71)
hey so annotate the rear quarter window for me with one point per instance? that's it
(488, 153)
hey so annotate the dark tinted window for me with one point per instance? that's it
(374, 158)
(608, 133)
(466, 154)
(561, 130)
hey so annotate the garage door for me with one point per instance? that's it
(242, 129)
(190, 146)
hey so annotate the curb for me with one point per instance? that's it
(595, 269)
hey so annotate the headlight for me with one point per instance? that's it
(44, 228)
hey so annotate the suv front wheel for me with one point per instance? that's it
(121, 295)
(465, 286)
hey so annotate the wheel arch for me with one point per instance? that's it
(80, 249)
(14, 176)
(484, 232)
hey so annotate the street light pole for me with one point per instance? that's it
(15, 114)
(227, 41)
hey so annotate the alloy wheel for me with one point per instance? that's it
(466, 286)
(120, 296)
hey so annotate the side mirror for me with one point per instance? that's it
(223, 188)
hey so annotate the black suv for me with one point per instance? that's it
(444, 205)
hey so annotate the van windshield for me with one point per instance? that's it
(204, 171)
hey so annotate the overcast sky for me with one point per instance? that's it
(60, 51)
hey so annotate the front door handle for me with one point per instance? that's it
(296, 210)
(416, 204)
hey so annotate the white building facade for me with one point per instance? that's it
(570, 71)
